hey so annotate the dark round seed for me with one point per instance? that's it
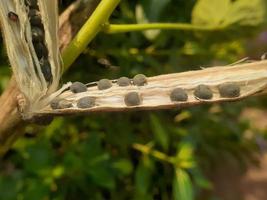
(139, 80)
(123, 81)
(31, 3)
(60, 104)
(42, 121)
(78, 87)
(104, 84)
(229, 90)
(13, 16)
(132, 99)
(46, 69)
(37, 34)
(54, 104)
(203, 92)
(86, 102)
(178, 94)
(35, 18)
(40, 49)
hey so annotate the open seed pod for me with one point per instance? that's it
(30, 33)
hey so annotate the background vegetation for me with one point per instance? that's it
(144, 155)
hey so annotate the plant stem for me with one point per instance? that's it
(88, 31)
(120, 28)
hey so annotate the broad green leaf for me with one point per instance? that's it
(227, 13)
(210, 12)
(182, 186)
(160, 133)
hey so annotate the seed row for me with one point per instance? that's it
(38, 39)
(201, 92)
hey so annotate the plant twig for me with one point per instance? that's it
(120, 28)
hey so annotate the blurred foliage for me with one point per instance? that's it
(142, 155)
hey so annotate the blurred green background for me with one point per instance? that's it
(145, 155)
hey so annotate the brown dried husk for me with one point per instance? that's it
(22, 56)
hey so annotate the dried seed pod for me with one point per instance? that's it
(104, 84)
(37, 34)
(132, 99)
(229, 90)
(54, 104)
(123, 81)
(78, 87)
(13, 16)
(139, 80)
(86, 102)
(178, 94)
(203, 92)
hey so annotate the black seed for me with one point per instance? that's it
(40, 50)
(46, 70)
(178, 94)
(35, 18)
(123, 81)
(132, 99)
(104, 84)
(86, 102)
(203, 92)
(139, 80)
(78, 87)
(13, 16)
(60, 104)
(37, 34)
(31, 3)
(54, 104)
(229, 90)
(42, 121)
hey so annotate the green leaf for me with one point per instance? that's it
(182, 186)
(210, 12)
(143, 176)
(124, 166)
(160, 133)
(226, 13)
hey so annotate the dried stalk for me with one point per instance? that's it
(10, 118)
(249, 78)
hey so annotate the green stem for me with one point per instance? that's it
(89, 30)
(120, 28)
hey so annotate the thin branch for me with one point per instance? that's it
(89, 31)
(120, 28)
